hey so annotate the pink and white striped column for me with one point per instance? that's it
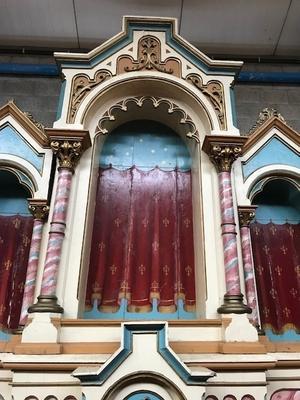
(246, 214)
(68, 147)
(39, 210)
(223, 151)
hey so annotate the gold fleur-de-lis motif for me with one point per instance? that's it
(294, 292)
(297, 270)
(117, 222)
(25, 240)
(273, 230)
(101, 246)
(1, 240)
(154, 286)
(188, 269)
(187, 222)
(16, 223)
(7, 265)
(256, 230)
(260, 269)
(104, 198)
(278, 270)
(21, 286)
(178, 286)
(284, 249)
(166, 222)
(291, 231)
(156, 197)
(155, 245)
(273, 293)
(113, 269)
(142, 269)
(175, 245)
(145, 222)
(124, 285)
(2, 309)
(266, 312)
(286, 311)
(166, 269)
(266, 249)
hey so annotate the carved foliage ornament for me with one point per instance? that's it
(82, 84)
(172, 108)
(264, 115)
(246, 215)
(68, 152)
(39, 209)
(213, 90)
(223, 156)
(149, 58)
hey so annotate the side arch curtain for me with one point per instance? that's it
(15, 238)
(142, 243)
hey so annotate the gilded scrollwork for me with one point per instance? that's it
(213, 90)
(38, 208)
(149, 58)
(82, 84)
(246, 215)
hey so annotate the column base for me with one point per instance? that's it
(233, 304)
(46, 303)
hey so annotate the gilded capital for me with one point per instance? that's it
(68, 145)
(38, 208)
(246, 215)
(223, 150)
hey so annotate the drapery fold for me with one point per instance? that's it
(15, 238)
(142, 243)
(277, 269)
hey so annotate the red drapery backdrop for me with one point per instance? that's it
(15, 238)
(142, 245)
(276, 253)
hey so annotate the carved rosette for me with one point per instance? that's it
(246, 215)
(82, 85)
(223, 151)
(38, 208)
(214, 92)
(149, 58)
(68, 146)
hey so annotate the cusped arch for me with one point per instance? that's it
(109, 119)
(25, 175)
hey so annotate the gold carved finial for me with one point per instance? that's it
(264, 115)
(246, 215)
(38, 208)
(68, 145)
(223, 150)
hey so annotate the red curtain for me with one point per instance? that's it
(142, 245)
(276, 253)
(15, 238)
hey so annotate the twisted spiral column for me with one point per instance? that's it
(223, 151)
(39, 210)
(68, 147)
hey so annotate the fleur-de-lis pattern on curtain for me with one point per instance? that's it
(15, 238)
(276, 253)
(142, 240)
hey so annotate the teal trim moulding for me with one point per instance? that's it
(170, 40)
(159, 328)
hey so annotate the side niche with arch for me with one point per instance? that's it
(275, 237)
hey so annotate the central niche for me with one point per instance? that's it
(142, 254)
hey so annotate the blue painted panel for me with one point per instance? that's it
(288, 336)
(143, 396)
(10, 206)
(12, 143)
(277, 214)
(4, 337)
(273, 152)
(145, 144)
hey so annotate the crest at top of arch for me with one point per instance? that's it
(149, 25)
